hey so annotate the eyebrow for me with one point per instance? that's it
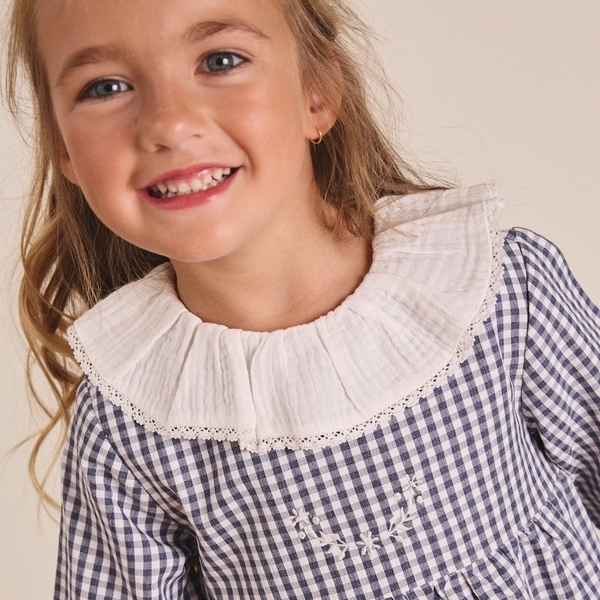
(196, 33)
(206, 29)
(87, 56)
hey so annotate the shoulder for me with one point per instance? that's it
(84, 415)
(529, 255)
(562, 320)
(97, 421)
(91, 419)
(102, 438)
(545, 268)
(537, 251)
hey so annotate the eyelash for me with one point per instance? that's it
(230, 60)
(91, 91)
(223, 54)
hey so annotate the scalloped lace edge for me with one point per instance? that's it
(246, 438)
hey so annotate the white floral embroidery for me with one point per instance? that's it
(370, 542)
(398, 524)
(411, 483)
(337, 547)
(300, 517)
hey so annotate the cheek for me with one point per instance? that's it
(100, 162)
(272, 102)
(99, 155)
(272, 123)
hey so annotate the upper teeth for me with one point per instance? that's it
(201, 182)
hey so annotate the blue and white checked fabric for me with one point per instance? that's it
(486, 489)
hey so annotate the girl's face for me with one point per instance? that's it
(184, 121)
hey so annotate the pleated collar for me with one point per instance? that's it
(437, 265)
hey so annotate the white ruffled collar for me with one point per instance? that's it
(432, 284)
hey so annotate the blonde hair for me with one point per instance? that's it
(71, 260)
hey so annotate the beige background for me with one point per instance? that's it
(493, 91)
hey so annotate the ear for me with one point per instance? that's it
(321, 115)
(66, 166)
(323, 103)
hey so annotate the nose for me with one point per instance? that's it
(168, 120)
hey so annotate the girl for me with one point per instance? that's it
(291, 389)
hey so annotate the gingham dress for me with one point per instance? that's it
(485, 487)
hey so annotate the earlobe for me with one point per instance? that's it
(323, 102)
(322, 117)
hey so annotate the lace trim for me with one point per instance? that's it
(246, 438)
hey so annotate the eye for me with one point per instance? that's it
(105, 88)
(219, 62)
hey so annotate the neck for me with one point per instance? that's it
(290, 281)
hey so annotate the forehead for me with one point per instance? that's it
(66, 26)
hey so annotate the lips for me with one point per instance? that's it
(182, 185)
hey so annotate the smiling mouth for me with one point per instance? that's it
(199, 183)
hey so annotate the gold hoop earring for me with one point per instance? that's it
(317, 141)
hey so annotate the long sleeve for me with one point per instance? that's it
(561, 382)
(116, 540)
